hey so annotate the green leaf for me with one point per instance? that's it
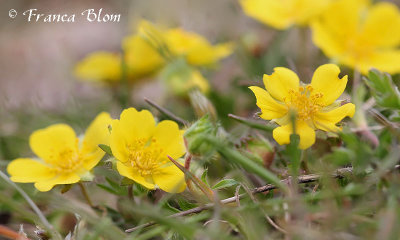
(185, 205)
(106, 149)
(108, 189)
(225, 184)
(234, 156)
(204, 177)
(383, 89)
(126, 181)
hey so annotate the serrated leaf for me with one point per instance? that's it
(225, 183)
(106, 149)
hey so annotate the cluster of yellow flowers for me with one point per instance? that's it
(139, 144)
(149, 51)
(355, 33)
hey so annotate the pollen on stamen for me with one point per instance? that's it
(303, 102)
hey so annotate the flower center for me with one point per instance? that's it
(304, 102)
(144, 156)
(67, 160)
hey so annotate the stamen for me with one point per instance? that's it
(144, 157)
(304, 102)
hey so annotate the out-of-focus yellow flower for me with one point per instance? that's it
(181, 78)
(99, 67)
(182, 83)
(360, 35)
(142, 59)
(314, 105)
(195, 48)
(282, 14)
(141, 147)
(151, 49)
(63, 158)
(177, 42)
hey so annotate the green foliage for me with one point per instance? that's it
(385, 92)
(225, 183)
(106, 149)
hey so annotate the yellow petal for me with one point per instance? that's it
(280, 82)
(223, 50)
(169, 138)
(270, 108)
(141, 58)
(284, 13)
(334, 30)
(197, 49)
(382, 25)
(29, 170)
(326, 81)
(306, 133)
(99, 66)
(118, 141)
(270, 12)
(134, 175)
(97, 133)
(137, 124)
(49, 142)
(133, 125)
(66, 178)
(327, 120)
(328, 41)
(170, 179)
(384, 60)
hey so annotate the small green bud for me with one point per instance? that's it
(195, 133)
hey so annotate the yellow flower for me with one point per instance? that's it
(360, 35)
(141, 147)
(314, 104)
(99, 67)
(181, 78)
(282, 14)
(142, 59)
(195, 48)
(177, 42)
(63, 158)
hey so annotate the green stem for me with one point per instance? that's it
(86, 195)
(251, 123)
(235, 157)
(35, 208)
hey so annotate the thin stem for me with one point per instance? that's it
(86, 195)
(130, 192)
(251, 123)
(35, 208)
(166, 112)
(356, 80)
